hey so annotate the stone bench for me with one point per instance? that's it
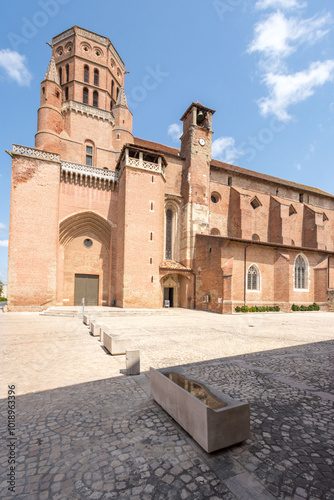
(86, 319)
(212, 418)
(95, 329)
(114, 343)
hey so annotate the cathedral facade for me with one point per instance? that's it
(97, 213)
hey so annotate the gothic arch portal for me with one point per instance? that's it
(84, 262)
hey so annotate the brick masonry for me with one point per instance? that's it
(224, 218)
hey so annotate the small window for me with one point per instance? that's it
(96, 77)
(229, 181)
(88, 243)
(85, 96)
(118, 136)
(110, 105)
(117, 92)
(112, 88)
(58, 94)
(255, 237)
(151, 260)
(292, 210)
(67, 73)
(152, 279)
(301, 198)
(86, 74)
(60, 73)
(151, 236)
(277, 191)
(95, 99)
(324, 217)
(215, 232)
(43, 90)
(293, 243)
(152, 179)
(253, 278)
(66, 94)
(89, 155)
(255, 203)
(152, 205)
(301, 273)
(215, 197)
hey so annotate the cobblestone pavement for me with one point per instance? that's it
(86, 431)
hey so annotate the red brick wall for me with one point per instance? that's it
(33, 234)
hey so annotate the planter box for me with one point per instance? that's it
(114, 343)
(95, 329)
(211, 417)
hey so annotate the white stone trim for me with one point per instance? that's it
(92, 172)
(35, 153)
(85, 109)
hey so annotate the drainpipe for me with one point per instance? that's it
(194, 290)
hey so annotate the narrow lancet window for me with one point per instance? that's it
(169, 228)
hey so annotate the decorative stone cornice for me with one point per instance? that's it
(35, 153)
(100, 178)
(84, 109)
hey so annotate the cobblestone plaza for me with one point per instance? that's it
(87, 431)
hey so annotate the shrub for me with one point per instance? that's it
(244, 309)
(277, 308)
(267, 308)
(316, 307)
(294, 307)
(2, 299)
(238, 309)
(303, 308)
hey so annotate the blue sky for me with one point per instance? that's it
(265, 66)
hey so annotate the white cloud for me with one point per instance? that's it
(286, 90)
(2, 226)
(175, 131)
(14, 65)
(280, 4)
(277, 37)
(298, 166)
(224, 149)
(3, 243)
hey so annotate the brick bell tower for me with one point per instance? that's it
(196, 143)
(83, 102)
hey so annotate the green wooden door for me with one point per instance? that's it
(86, 286)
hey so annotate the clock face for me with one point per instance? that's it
(202, 141)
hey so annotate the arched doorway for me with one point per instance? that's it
(84, 260)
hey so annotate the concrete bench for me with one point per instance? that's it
(114, 343)
(212, 418)
(95, 329)
(86, 319)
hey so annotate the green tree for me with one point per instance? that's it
(1, 287)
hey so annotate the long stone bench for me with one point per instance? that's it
(212, 418)
(114, 343)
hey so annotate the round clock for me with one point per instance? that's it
(202, 141)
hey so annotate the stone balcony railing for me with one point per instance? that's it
(87, 110)
(35, 153)
(141, 163)
(84, 175)
(101, 178)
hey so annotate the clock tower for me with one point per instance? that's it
(196, 143)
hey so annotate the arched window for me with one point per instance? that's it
(60, 73)
(96, 77)
(117, 93)
(89, 155)
(253, 278)
(169, 229)
(85, 96)
(112, 88)
(301, 273)
(67, 72)
(86, 74)
(66, 94)
(95, 99)
(255, 237)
